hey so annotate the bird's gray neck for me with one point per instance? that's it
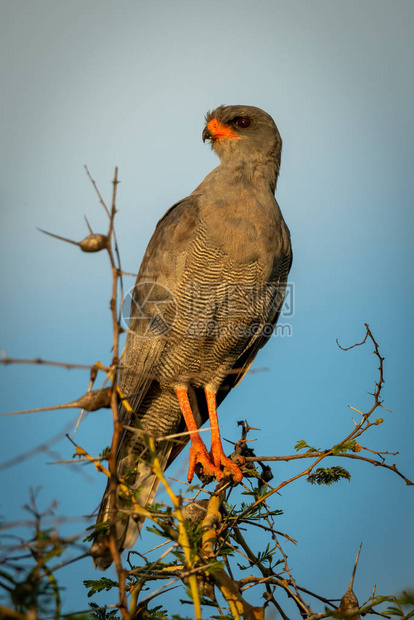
(261, 172)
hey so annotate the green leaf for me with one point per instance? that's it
(227, 551)
(394, 611)
(156, 613)
(342, 448)
(98, 585)
(300, 445)
(99, 528)
(105, 452)
(328, 475)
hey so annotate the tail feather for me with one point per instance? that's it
(127, 524)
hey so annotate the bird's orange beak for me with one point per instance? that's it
(216, 130)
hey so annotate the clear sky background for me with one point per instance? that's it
(127, 83)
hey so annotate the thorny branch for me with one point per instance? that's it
(5, 360)
(202, 547)
(359, 429)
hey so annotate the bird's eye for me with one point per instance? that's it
(243, 122)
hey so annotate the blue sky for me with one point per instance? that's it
(127, 84)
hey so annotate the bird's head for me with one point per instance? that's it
(241, 132)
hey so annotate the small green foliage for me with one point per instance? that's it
(328, 475)
(159, 508)
(194, 533)
(302, 445)
(392, 610)
(229, 508)
(156, 613)
(158, 531)
(105, 452)
(406, 599)
(262, 558)
(131, 471)
(227, 551)
(127, 498)
(342, 448)
(97, 529)
(266, 555)
(401, 606)
(261, 509)
(269, 513)
(214, 566)
(99, 585)
(252, 473)
(257, 492)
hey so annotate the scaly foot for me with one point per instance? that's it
(217, 452)
(221, 460)
(199, 454)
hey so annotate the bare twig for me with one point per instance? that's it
(5, 360)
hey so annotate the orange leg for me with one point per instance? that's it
(217, 453)
(198, 451)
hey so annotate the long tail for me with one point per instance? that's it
(161, 416)
(127, 524)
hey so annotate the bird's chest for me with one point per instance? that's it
(230, 267)
(244, 232)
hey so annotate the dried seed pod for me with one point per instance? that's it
(91, 243)
(94, 243)
(349, 606)
(96, 399)
(195, 511)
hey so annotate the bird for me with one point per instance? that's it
(207, 297)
